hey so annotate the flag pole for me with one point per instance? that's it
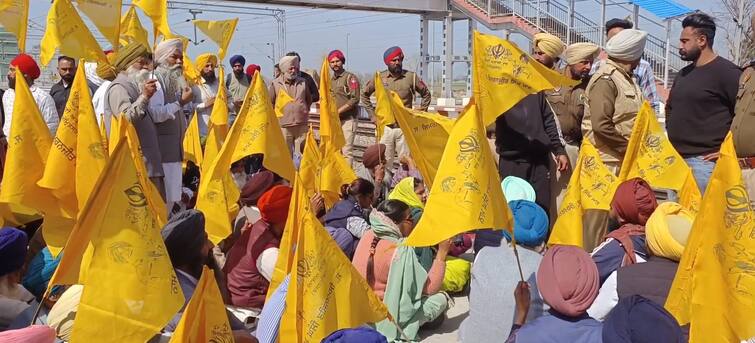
(516, 254)
(398, 327)
(39, 307)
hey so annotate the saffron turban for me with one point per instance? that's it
(273, 205)
(549, 44)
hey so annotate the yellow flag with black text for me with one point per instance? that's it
(297, 208)
(651, 157)
(261, 132)
(218, 124)
(157, 10)
(503, 74)
(191, 144)
(219, 31)
(132, 29)
(281, 100)
(14, 17)
(330, 124)
(204, 319)
(591, 186)
(326, 293)
(467, 182)
(28, 147)
(77, 156)
(66, 32)
(714, 284)
(383, 110)
(106, 15)
(425, 134)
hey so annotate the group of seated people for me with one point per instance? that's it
(615, 294)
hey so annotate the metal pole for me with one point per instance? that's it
(347, 43)
(668, 53)
(424, 52)
(538, 14)
(448, 52)
(636, 17)
(470, 52)
(194, 14)
(571, 22)
(740, 33)
(489, 5)
(602, 23)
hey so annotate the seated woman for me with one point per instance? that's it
(347, 220)
(632, 205)
(407, 279)
(638, 319)
(251, 260)
(410, 190)
(568, 282)
(666, 235)
(495, 269)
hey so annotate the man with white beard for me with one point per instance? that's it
(129, 94)
(166, 107)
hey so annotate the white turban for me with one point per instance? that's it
(627, 45)
(166, 48)
(579, 52)
(286, 62)
(90, 69)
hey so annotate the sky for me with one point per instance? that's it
(362, 36)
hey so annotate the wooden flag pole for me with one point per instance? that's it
(516, 254)
(398, 327)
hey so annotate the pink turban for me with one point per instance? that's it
(30, 334)
(568, 280)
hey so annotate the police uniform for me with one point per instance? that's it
(345, 90)
(405, 86)
(568, 103)
(743, 127)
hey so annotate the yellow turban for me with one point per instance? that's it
(579, 52)
(107, 71)
(203, 59)
(667, 230)
(549, 44)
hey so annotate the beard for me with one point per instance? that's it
(581, 75)
(11, 82)
(209, 77)
(138, 76)
(173, 77)
(68, 78)
(395, 69)
(690, 55)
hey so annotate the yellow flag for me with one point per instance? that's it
(157, 11)
(502, 75)
(218, 125)
(334, 173)
(154, 200)
(67, 32)
(591, 186)
(651, 157)
(191, 72)
(713, 287)
(132, 29)
(426, 135)
(219, 31)
(310, 167)
(14, 16)
(467, 181)
(103, 133)
(326, 293)
(130, 288)
(204, 318)
(191, 144)
(77, 156)
(330, 124)
(281, 100)
(106, 15)
(383, 110)
(117, 131)
(28, 147)
(261, 133)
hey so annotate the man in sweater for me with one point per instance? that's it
(700, 106)
(296, 113)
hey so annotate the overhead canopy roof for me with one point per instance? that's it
(663, 8)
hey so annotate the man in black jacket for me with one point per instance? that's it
(526, 136)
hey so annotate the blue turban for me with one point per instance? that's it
(358, 335)
(237, 59)
(515, 188)
(530, 223)
(638, 319)
(40, 271)
(13, 245)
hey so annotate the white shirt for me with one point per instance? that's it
(98, 101)
(44, 102)
(202, 95)
(266, 262)
(159, 110)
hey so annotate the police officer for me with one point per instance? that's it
(345, 89)
(743, 126)
(404, 83)
(568, 103)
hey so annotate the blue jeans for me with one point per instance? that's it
(701, 170)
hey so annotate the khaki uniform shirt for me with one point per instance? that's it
(345, 89)
(569, 105)
(404, 85)
(613, 101)
(743, 126)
